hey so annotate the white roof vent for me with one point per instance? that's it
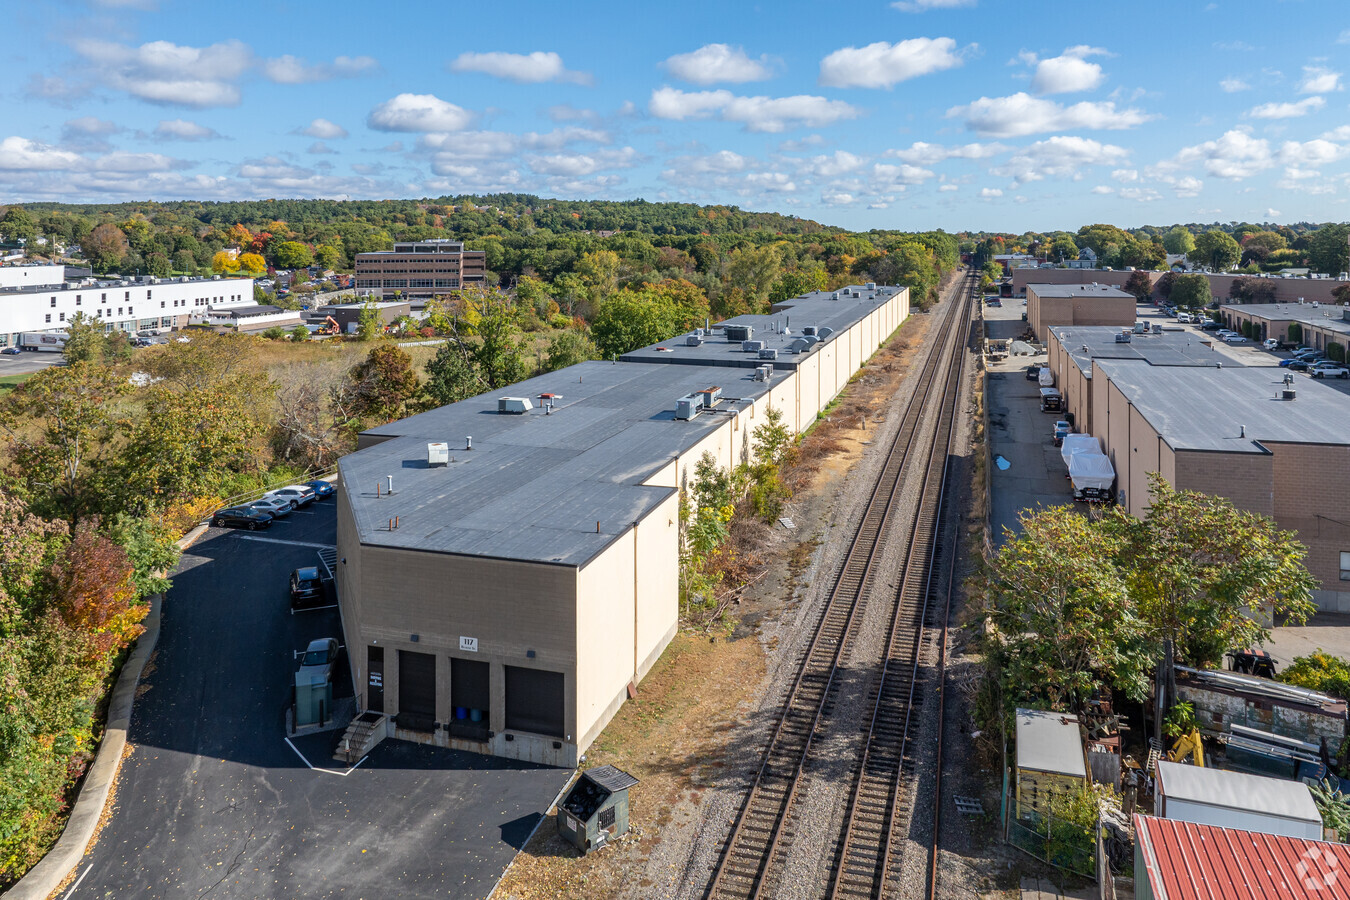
(438, 453)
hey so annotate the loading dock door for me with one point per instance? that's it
(534, 701)
(416, 691)
(375, 679)
(470, 699)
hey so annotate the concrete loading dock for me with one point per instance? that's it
(533, 578)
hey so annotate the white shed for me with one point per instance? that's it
(1237, 800)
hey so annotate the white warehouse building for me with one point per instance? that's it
(129, 304)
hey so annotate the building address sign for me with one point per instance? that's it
(468, 644)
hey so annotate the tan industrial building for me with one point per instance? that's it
(419, 269)
(1287, 290)
(507, 570)
(1071, 350)
(1321, 324)
(1271, 442)
(1050, 305)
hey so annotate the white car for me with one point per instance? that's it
(277, 506)
(299, 494)
(1270, 344)
(1234, 339)
(1329, 370)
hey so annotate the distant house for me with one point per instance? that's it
(1087, 259)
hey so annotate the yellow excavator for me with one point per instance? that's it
(1188, 745)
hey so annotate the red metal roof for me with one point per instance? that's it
(1185, 861)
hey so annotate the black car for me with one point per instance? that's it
(1299, 365)
(1033, 373)
(306, 588)
(240, 517)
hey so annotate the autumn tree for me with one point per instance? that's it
(379, 386)
(501, 361)
(105, 247)
(224, 263)
(293, 255)
(600, 273)
(252, 264)
(633, 319)
(1328, 251)
(567, 348)
(85, 340)
(1140, 285)
(754, 270)
(452, 375)
(1178, 241)
(1216, 249)
(1190, 292)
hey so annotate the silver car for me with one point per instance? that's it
(299, 494)
(316, 666)
(276, 506)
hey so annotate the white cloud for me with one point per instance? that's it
(91, 125)
(713, 63)
(1286, 110)
(576, 165)
(183, 130)
(1103, 189)
(1317, 152)
(767, 114)
(19, 154)
(1125, 175)
(136, 163)
(566, 112)
(323, 129)
(1233, 85)
(841, 162)
(1059, 157)
(1235, 155)
(883, 65)
(1344, 37)
(1319, 80)
(162, 72)
(990, 193)
(916, 6)
(1021, 114)
(291, 70)
(888, 177)
(318, 148)
(921, 153)
(946, 188)
(1275, 213)
(1143, 195)
(1069, 72)
(837, 198)
(419, 112)
(522, 68)
(1188, 186)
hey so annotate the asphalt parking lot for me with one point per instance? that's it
(27, 363)
(212, 798)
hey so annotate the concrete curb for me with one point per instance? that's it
(45, 878)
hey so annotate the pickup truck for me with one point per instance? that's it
(1329, 370)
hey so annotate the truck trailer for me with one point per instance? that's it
(43, 341)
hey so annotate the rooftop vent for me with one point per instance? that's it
(871, 285)
(768, 353)
(752, 346)
(1123, 337)
(809, 330)
(824, 331)
(514, 405)
(693, 340)
(736, 333)
(1288, 394)
(438, 453)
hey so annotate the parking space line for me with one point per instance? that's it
(77, 883)
(254, 537)
(314, 608)
(320, 769)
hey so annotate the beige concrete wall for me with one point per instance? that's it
(1287, 290)
(1247, 479)
(606, 629)
(1312, 497)
(657, 601)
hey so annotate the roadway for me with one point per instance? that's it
(212, 798)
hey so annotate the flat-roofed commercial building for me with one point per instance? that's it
(130, 304)
(1320, 324)
(419, 269)
(1071, 350)
(522, 576)
(1051, 305)
(1230, 432)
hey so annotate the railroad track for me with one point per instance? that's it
(866, 866)
(754, 849)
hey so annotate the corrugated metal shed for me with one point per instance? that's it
(1049, 742)
(1237, 791)
(1184, 861)
(534, 486)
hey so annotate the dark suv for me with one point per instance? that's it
(306, 589)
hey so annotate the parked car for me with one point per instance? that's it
(1033, 373)
(322, 489)
(1306, 353)
(1223, 332)
(1329, 370)
(241, 517)
(1209, 325)
(276, 506)
(1296, 365)
(1061, 428)
(1234, 339)
(11, 351)
(1270, 344)
(306, 589)
(300, 494)
(1184, 318)
(317, 663)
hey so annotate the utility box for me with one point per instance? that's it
(688, 407)
(438, 453)
(313, 700)
(514, 405)
(596, 809)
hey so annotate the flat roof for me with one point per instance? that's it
(1077, 290)
(779, 330)
(1084, 343)
(1237, 790)
(1326, 316)
(1200, 408)
(1185, 861)
(534, 485)
(1049, 742)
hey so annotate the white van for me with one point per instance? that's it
(1185, 318)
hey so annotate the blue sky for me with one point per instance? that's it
(980, 114)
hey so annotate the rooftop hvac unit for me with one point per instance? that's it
(762, 373)
(688, 407)
(857, 293)
(736, 333)
(871, 285)
(438, 454)
(1288, 394)
(835, 295)
(752, 346)
(768, 354)
(710, 396)
(693, 340)
(824, 331)
(514, 405)
(809, 330)
(1123, 337)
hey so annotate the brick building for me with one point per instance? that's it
(1049, 305)
(419, 269)
(1321, 324)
